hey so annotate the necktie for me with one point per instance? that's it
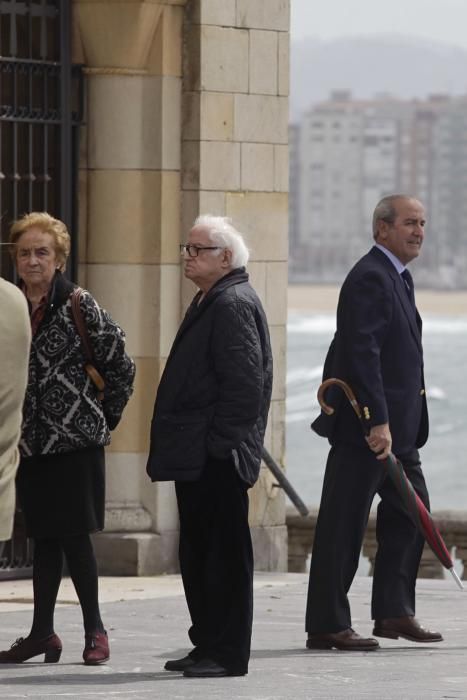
(408, 284)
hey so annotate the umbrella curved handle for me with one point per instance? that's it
(347, 391)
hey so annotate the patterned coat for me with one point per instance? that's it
(61, 412)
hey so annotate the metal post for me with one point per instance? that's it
(284, 483)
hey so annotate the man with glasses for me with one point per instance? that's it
(207, 434)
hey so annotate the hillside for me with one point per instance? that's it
(369, 65)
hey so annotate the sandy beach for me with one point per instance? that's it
(321, 298)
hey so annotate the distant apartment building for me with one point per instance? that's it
(448, 203)
(348, 153)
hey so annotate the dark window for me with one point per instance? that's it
(40, 112)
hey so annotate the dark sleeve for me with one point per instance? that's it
(237, 357)
(364, 320)
(115, 365)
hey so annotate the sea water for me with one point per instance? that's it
(444, 457)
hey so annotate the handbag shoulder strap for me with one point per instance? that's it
(90, 369)
(75, 298)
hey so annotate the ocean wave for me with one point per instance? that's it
(317, 323)
(299, 417)
(303, 401)
(298, 375)
(436, 393)
(440, 324)
(442, 428)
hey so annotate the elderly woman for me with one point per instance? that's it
(66, 424)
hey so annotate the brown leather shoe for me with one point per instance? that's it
(26, 648)
(347, 640)
(406, 627)
(96, 648)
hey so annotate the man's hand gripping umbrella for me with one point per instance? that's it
(414, 506)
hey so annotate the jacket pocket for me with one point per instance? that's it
(179, 442)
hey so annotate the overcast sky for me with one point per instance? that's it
(439, 20)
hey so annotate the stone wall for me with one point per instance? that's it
(235, 163)
(187, 113)
(452, 525)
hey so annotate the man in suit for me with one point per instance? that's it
(15, 341)
(207, 434)
(377, 350)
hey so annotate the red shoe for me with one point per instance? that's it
(25, 648)
(96, 648)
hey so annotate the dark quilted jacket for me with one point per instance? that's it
(61, 411)
(213, 397)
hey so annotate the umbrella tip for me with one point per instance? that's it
(456, 578)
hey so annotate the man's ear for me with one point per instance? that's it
(226, 258)
(383, 229)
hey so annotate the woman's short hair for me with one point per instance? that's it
(224, 234)
(47, 224)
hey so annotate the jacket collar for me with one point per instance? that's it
(196, 309)
(393, 258)
(414, 319)
(237, 276)
(60, 290)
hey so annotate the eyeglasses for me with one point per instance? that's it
(193, 250)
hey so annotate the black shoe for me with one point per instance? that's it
(179, 664)
(206, 668)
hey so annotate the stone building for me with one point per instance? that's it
(185, 112)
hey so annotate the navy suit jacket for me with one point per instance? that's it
(377, 350)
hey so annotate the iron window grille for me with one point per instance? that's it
(41, 110)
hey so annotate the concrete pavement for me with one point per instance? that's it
(147, 622)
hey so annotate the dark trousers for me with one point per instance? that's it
(216, 563)
(353, 477)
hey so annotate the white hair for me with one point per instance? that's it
(222, 233)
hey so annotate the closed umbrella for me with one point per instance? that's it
(413, 505)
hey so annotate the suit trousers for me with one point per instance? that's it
(216, 563)
(352, 479)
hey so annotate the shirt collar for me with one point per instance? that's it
(395, 261)
(43, 300)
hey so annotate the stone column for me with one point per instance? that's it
(136, 184)
(235, 163)
(130, 231)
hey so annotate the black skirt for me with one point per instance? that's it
(62, 494)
